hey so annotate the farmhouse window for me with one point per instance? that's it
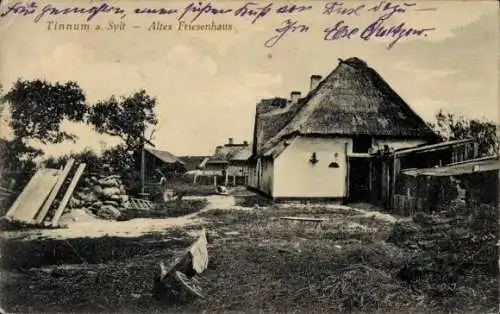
(361, 144)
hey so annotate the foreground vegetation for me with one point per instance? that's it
(257, 262)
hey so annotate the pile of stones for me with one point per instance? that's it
(104, 196)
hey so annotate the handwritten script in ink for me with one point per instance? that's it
(346, 20)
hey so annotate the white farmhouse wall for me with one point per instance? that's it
(398, 143)
(261, 176)
(295, 176)
(252, 176)
(267, 177)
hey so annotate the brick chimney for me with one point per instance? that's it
(230, 141)
(315, 79)
(295, 96)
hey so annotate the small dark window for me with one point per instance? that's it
(361, 144)
(333, 165)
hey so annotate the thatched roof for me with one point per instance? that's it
(272, 115)
(228, 152)
(352, 100)
(242, 155)
(192, 162)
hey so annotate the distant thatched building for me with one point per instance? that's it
(318, 146)
(192, 163)
(228, 164)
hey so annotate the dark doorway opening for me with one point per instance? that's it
(359, 179)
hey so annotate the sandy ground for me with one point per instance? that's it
(362, 209)
(81, 224)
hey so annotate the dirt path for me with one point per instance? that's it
(90, 226)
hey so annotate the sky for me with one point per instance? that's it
(207, 84)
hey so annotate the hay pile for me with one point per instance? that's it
(105, 196)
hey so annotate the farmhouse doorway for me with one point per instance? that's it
(359, 179)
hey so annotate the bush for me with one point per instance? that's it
(17, 163)
(89, 157)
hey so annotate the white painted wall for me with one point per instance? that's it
(266, 179)
(261, 175)
(398, 143)
(252, 176)
(295, 176)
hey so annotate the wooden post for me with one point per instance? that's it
(143, 163)
(234, 180)
(346, 172)
(52, 196)
(226, 179)
(370, 177)
(387, 183)
(215, 180)
(393, 183)
(67, 195)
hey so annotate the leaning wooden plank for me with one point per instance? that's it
(195, 258)
(43, 212)
(25, 193)
(199, 253)
(28, 208)
(67, 195)
(179, 275)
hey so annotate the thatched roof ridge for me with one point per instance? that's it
(192, 162)
(243, 155)
(227, 152)
(352, 100)
(271, 116)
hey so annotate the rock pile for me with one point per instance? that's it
(105, 196)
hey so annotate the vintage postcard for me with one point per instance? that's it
(249, 156)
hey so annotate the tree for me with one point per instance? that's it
(38, 108)
(450, 127)
(127, 117)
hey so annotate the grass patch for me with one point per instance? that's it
(253, 200)
(258, 262)
(195, 190)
